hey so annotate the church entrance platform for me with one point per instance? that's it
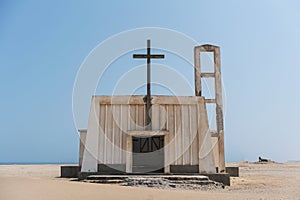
(183, 179)
(106, 171)
(223, 178)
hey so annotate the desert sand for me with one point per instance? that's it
(256, 181)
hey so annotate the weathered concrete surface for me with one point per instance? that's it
(184, 117)
(69, 171)
(223, 178)
(82, 134)
(233, 171)
(112, 171)
(113, 168)
(196, 182)
(219, 148)
(184, 169)
(220, 177)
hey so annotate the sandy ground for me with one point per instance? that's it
(256, 181)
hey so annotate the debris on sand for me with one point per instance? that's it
(162, 183)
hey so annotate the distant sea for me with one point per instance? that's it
(35, 163)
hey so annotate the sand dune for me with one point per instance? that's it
(256, 181)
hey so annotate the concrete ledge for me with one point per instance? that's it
(233, 171)
(221, 178)
(147, 133)
(189, 170)
(69, 171)
(111, 168)
(193, 169)
(84, 175)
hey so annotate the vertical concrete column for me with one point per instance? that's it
(90, 153)
(166, 154)
(219, 108)
(206, 154)
(128, 154)
(82, 138)
(197, 71)
(218, 94)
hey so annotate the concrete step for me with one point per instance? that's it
(168, 177)
(105, 181)
(146, 169)
(158, 181)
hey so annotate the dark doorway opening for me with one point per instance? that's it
(148, 154)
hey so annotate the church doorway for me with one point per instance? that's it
(148, 154)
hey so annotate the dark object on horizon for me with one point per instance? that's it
(260, 159)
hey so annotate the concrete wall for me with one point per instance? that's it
(82, 134)
(111, 118)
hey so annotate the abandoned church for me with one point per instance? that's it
(155, 134)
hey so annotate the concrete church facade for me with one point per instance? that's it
(119, 140)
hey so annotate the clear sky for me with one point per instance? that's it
(43, 43)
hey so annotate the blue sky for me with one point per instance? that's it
(43, 43)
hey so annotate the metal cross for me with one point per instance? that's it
(148, 56)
